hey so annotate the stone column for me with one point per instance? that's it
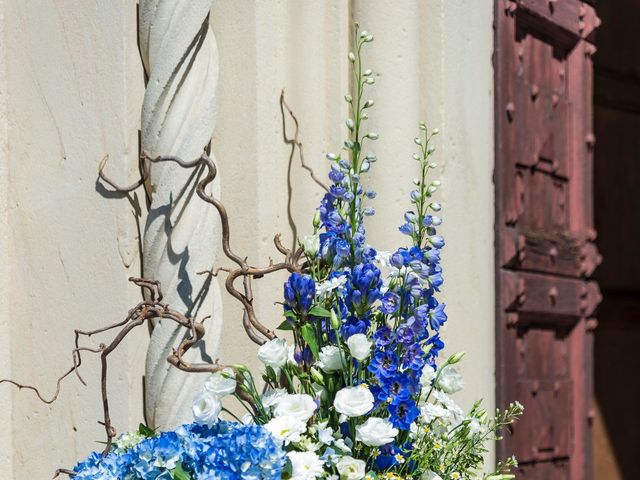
(181, 235)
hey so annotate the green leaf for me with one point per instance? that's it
(319, 312)
(145, 431)
(290, 314)
(286, 325)
(179, 473)
(287, 472)
(310, 337)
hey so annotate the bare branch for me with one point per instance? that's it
(143, 312)
(295, 141)
(154, 308)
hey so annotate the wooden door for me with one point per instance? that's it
(544, 231)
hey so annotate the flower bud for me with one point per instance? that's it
(349, 144)
(417, 157)
(455, 358)
(317, 376)
(350, 124)
(348, 98)
(435, 131)
(370, 80)
(416, 182)
(363, 34)
(369, 38)
(311, 245)
(352, 57)
(433, 165)
(372, 135)
(435, 206)
(368, 104)
(335, 323)
(431, 149)
(316, 220)
(368, 72)
(332, 156)
(436, 183)
(417, 141)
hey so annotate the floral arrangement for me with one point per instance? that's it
(359, 393)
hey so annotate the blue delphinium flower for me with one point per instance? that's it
(384, 364)
(299, 292)
(355, 324)
(403, 413)
(390, 303)
(437, 317)
(364, 288)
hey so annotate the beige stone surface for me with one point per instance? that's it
(71, 91)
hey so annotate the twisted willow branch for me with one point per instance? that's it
(256, 331)
(154, 307)
(143, 312)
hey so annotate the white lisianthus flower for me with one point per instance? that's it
(430, 412)
(311, 245)
(350, 468)
(305, 465)
(286, 428)
(428, 374)
(331, 359)
(429, 475)
(221, 383)
(376, 432)
(330, 285)
(272, 396)
(450, 381)
(354, 401)
(206, 408)
(274, 353)
(448, 403)
(299, 405)
(359, 346)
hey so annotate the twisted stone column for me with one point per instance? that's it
(181, 235)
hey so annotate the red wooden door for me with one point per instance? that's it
(544, 230)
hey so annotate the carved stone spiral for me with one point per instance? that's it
(181, 235)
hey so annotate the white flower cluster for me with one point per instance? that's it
(311, 445)
(207, 406)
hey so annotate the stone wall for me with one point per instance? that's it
(71, 88)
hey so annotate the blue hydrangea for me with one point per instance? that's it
(226, 451)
